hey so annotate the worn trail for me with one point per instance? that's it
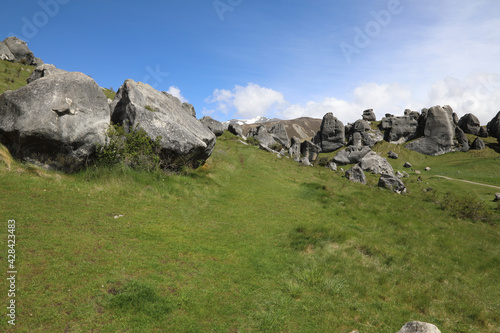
(468, 181)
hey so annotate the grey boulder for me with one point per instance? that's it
(400, 129)
(470, 124)
(215, 126)
(20, 50)
(43, 71)
(309, 150)
(439, 131)
(393, 183)
(477, 144)
(418, 327)
(463, 141)
(261, 133)
(493, 126)
(294, 150)
(184, 139)
(356, 175)
(236, 129)
(55, 121)
(280, 135)
(374, 163)
(5, 53)
(331, 135)
(351, 155)
(392, 155)
(369, 115)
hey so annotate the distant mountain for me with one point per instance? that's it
(303, 128)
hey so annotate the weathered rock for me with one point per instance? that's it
(351, 155)
(37, 62)
(43, 71)
(237, 130)
(309, 150)
(463, 141)
(470, 124)
(478, 144)
(407, 165)
(184, 139)
(360, 126)
(294, 147)
(399, 174)
(427, 169)
(400, 129)
(418, 327)
(369, 115)
(356, 174)
(497, 197)
(189, 108)
(483, 132)
(374, 163)
(261, 133)
(215, 126)
(414, 115)
(5, 53)
(371, 137)
(331, 135)
(357, 140)
(20, 50)
(332, 166)
(439, 132)
(280, 135)
(392, 155)
(305, 161)
(493, 126)
(55, 121)
(392, 182)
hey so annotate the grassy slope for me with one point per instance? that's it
(13, 75)
(248, 242)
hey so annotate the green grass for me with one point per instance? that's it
(13, 75)
(247, 243)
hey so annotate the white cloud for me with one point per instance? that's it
(248, 102)
(175, 91)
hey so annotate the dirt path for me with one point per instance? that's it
(468, 181)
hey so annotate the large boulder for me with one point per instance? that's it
(351, 155)
(356, 175)
(309, 150)
(294, 150)
(5, 53)
(483, 132)
(20, 50)
(462, 140)
(392, 182)
(262, 134)
(470, 124)
(55, 121)
(374, 163)
(439, 132)
(369, 115)
(418, 327)
(43, 71)
(331, 135)
(493, 126)
(215, 126)
(236, 129)
(400, 129)
(278, 131)
(477, 144)
(184, 139)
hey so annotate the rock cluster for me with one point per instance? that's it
(14, 49)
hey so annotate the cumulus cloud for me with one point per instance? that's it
(175, 91)
(248, 102)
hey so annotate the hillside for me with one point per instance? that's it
(249, 242)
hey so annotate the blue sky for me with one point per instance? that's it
(277, 58)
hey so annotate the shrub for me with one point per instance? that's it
(276, 146)
(466, 207)
(134, 149)
(252, 141)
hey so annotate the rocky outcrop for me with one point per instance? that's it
(44, 71)
(351, 155)
(462, 140)
(20, 50)
(261, 134)
(215, 126)
(470, 124)
(392, 182)
(477, 144)
(331, 135)
(237, 130)
(280, 135)
(5, 53)
(294, 150)
(483, 132)
(303, 128)
(356, 175)
(493, 126)
(439, 132)
(392, 155)
(418, 327)
(309, 150)
(184, 139)
(400, 129)
(374, 163)
(55, 121)
(369, 115)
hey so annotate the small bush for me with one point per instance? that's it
(466, 207)
(252, 141)
(276, 146)
(150, 108)
(134, 149)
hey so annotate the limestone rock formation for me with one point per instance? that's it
(493, 127)
(470, 124)
(418, 327)
(351, 155)
(55, 121)
(294, 150)
(369, 115)
(331, 135)
(463, 141)
(215, 126)
(20, 50)
(400, 129)
(392, 182)
(5, 53)
(309, 150)
(237, 130)
(478, 144)
(374, 163)
(185, 140)
(261, 134)
(280, 135)
(439, 132)
(356, 174)
(43, 71)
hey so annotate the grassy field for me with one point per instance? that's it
(13, 75)
(249, 242)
